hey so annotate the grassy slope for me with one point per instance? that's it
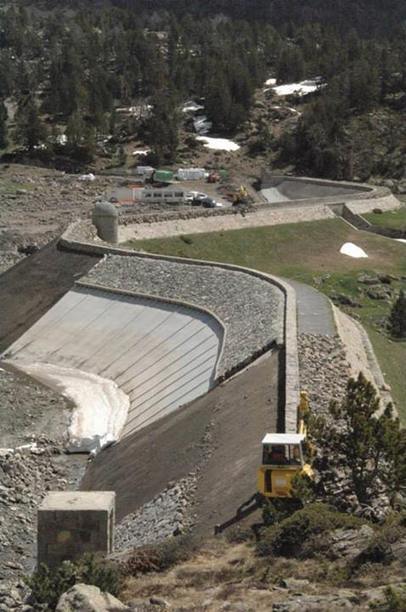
(395, 219)
(310, 252)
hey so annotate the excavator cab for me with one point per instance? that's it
(282, 460)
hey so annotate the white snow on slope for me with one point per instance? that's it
(100, 406)
(300, 89)
(352, 250)
(219, 144)
(400, 240)
(191, 107)
(202, 125)
(270, 82)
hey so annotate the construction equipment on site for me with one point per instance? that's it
(283, 457)
(213, 177)
(240, 196)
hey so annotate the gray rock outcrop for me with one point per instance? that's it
(88, 598)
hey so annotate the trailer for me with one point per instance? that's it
(191, 174)
(160, 196)
(144, 171)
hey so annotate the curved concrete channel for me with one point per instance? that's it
(279, 189)
(161, 355)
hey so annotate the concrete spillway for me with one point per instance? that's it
(278, 189)
(161, 355)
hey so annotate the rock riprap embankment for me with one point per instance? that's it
(28, 408)
(324, 370)
(26, 474)
(165, 515)
(32, 461)
(324, 373)
(250, 308)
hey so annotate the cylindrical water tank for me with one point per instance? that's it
(105, 218)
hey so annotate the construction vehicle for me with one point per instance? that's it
(283, 457)
(213, 177)
(240, 196)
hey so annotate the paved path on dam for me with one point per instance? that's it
(315, 314)
(30, 288)
(161, 355)
(218, 436)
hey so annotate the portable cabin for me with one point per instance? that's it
(160, 196)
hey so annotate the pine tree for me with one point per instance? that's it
(397, 317)
(75, 129)
(370, 442)
(81, 138)
(162, 127)
(3, 125)
(30, 129)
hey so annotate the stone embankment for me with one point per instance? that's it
(324, 373)
(324, 370)
(222, 222)
(251, 308)
(26, 473)
(32, 461)
(167, 514)
(9, 259)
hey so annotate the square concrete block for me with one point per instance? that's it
(72, 523)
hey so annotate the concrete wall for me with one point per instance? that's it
(349, 214)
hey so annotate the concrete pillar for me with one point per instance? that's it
(72, 523)
(105, 218)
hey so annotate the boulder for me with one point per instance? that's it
(399, 550)
(88, 598)
(348, 544)
(386, 279)
(368, 279)
(379, 293)
(345, 300)
(343, 599)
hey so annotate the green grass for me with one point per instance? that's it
(309, 252)
(394, 219)
(10, 187)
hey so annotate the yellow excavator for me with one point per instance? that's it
(240, 196)
(283, 457)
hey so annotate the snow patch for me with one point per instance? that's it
(141, 152)
(32, 447)
(400, 240)
(191, 107)
(219, 144)
(87, 177)
(100, 406)
(300, 89)
(202, 125)
(270, 82)
(352, 250)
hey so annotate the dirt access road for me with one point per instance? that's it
(218, 435)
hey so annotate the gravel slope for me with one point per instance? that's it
(250, 308)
